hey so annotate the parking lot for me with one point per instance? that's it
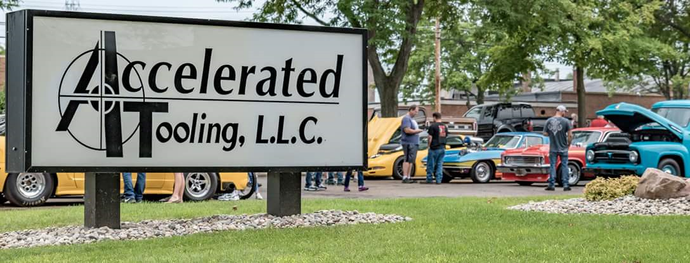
(388, 188)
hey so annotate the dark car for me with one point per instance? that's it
(505, 117)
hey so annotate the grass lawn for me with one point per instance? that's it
(443, 230)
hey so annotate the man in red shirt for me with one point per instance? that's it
(599, 122)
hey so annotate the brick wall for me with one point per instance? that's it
(594, 102)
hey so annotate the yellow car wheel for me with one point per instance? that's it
(200, 186)
(482, 172)
(249, 189)
(398, 168)
(29, 189)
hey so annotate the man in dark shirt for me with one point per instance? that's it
(560, 134)
(437, 149)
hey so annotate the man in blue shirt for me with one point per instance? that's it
(410, 142)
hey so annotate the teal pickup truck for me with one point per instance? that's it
(658, 138)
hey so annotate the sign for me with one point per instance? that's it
(112, 93)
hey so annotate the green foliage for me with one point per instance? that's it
(2, 100)
(8, 4)
(612, 188)
(392, 27)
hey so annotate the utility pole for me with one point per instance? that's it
(438, 66)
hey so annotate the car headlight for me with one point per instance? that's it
(634, 156)
(505, 160)
(590, 155)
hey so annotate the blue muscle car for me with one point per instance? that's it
(480, 164)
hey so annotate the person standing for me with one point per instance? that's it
(573, 121)
(178, 189)
(599, 122)
(317, 185)
(134, 194)
(410, 142)
(360, 181)
(332, 178)
(437, 149)
(560, 134)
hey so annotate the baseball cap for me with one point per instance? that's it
(561, 108)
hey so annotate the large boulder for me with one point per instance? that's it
(656, 184)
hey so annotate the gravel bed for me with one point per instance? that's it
(179, 227)
(627, 205)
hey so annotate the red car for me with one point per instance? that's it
(531, 165)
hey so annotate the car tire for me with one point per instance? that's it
(670, 166)
(200, 186)
(29, 189)
(397, 168)
(575, 173)
(525, 183)
(249, 189)
(446, 177)
(482, 172)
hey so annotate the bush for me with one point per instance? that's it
(607, 189)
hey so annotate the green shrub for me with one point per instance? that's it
(607, 189)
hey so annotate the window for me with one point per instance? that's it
(503, 142)
(584, 138)
(531, 141)
(676, 115)
(473, 113)
(504, 112)
(489, 112)
(397, 136)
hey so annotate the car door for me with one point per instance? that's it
(485, 123)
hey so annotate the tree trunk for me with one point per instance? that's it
(480, 95)
(389, 99)
(581, 106)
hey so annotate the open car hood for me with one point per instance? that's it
(629, 117)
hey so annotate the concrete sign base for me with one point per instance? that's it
(102, 200)
(284, 193)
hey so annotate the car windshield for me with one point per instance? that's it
(584, 138)
(678, 116)
(503, 141)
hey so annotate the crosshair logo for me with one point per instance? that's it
(91, 102)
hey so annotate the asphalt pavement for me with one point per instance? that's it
(389, 188)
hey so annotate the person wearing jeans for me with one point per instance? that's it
(314, 176)
(134, 193)
(553, 170)
(332, 176)
(437, 149)
(360, 181)
(560, 134)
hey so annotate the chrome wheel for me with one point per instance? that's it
(573, 174)
(198, 184)
(31, 185)
(669, 169)
(482, 172)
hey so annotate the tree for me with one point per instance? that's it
(464, 58)
(664, 70)
(8, 4)
(599, 36)
(392, 27)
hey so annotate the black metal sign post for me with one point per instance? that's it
(284, 193)
(102, 200)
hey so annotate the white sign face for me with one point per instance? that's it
(117, 95)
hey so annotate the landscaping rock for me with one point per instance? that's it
(656, 184)
(627, 205)
(178, 227)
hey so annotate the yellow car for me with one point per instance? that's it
(33, 189)
(385, 151)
